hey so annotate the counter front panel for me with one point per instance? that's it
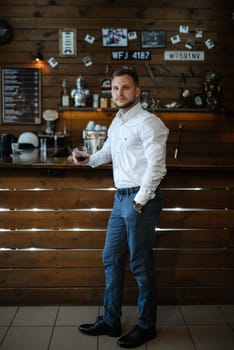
(53, 226)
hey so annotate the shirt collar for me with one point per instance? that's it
(131, 113)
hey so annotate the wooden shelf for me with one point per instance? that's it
(181, 110)
(87, 109)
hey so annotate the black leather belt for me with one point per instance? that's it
(127, 191)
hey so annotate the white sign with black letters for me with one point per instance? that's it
(184, 55)
(142, 55)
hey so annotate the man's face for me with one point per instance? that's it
(124, 92)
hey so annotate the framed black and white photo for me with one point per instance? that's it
(153, 38)
(67, 42)
(21, 95)
(114, 37)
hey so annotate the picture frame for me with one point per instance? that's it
(67, 42)
(153, 38)
(20, 96)
(114, 37)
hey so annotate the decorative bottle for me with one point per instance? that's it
(65, 96)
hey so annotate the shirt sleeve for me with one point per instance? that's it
(103, 156)
(153, 134)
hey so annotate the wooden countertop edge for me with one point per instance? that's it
(63, 163)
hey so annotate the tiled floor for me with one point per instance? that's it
(193, 327)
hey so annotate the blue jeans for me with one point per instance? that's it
(133, 233)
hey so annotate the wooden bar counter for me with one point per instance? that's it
(53, 220)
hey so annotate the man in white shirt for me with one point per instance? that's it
(136, 146)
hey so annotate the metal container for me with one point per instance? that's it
(94, 137)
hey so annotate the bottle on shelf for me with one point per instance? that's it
(65, 95)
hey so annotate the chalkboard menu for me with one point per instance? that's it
(21, 95)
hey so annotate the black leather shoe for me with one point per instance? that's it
(100, 327)
(137, 337)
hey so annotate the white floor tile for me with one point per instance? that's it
(212, 337)
(6, 314)
(211, 327)
(228, 311)
(110, 343)
(75, 315)
(169, 314)
(69, 338)
(35, 316)
(3, 331)
(202, 314)
(129, 316)
(27, 338)
(171, 338)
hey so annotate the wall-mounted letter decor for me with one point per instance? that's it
(67, 42)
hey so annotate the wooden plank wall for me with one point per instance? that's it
(51, 237)
(52, 254)
(36, 25)
(203, 135)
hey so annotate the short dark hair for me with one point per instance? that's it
(131, 71)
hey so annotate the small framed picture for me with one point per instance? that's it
(132, 35)
(53, 62)
(183, 29)
(190, 43)
(67, 42)
(112, 37)
(209, 44)
(198, 33)
(89, 38)
(87, 61)
(175, 39)
(153, 38)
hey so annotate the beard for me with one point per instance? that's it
(126, 104)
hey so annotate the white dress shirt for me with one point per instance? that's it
(136, 146)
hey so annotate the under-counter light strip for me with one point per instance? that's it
(104, 209)
(114, 189)
(59, 189)
(74, 229)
